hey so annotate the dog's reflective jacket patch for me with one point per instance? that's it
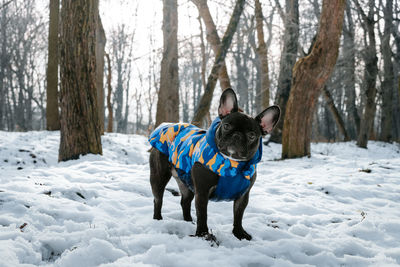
(185, 144)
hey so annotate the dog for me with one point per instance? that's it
(217, 164)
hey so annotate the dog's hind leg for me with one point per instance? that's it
(186, 200)
(160, 174)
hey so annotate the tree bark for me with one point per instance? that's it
(3, 65)
(168, 96)
(332, 108)
(100, 45)
(353, 119)
(262, 51)
(241, 54)
(52, 114)
(109, 106)
(213, 39)
(370, 74)
(287, 61)
(205, 101)
(388, 85)
(309, 76)
(80, 131)
(396, 98)
(203, 58)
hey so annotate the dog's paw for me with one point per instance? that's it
(188, 218)
(201, 233)
(240, 234)
(157, 217)
(208, 237)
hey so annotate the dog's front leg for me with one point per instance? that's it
(239, 206)
(203, 181)
(201, 201)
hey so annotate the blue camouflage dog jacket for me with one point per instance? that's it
(185, 144)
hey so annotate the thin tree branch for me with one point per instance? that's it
(6, 4)
(205, 101)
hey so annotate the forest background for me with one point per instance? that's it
(366, 71)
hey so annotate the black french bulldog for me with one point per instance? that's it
(237, 137)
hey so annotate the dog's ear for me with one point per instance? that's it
(268, 119)
(227, 103)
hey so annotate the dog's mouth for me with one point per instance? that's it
(230, 153)
(233, 158)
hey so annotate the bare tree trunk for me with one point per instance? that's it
(121, 42)
(12, 105)
(257, 98)
(195, 78)
(240, 56)
(118, 98)
(3, 65)
(125, 120)
(213, 39)
(263, 55)
(152, 87)
(205, 101)
(109, 106)
(119, 56)
(309, 76)
(332, 108)
(396, 98)
(128, 80)
(100, 45)
(28, 107)
(52, 115)
(327, 125)
(168, 96)
(203, 57)
(349, 47)
(398, 89)
(19, 112)
(388, 84)
(288, 59)
(370, 73)
(80, 131)
(20, 61)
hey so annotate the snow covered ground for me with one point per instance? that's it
(341, 207)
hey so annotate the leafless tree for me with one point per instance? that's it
(52, 114)
(370, 72)
(287, 61)
(121, 46)
(213, 38)
(309, 76)
(80, 129)
(21, 45)
(168, 95)
(388, 84)
(205, 100)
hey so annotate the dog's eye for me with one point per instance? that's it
(251, 136)
(226, 127)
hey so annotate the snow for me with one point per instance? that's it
(340, 207)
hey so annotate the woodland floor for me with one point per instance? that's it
(340, 207)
